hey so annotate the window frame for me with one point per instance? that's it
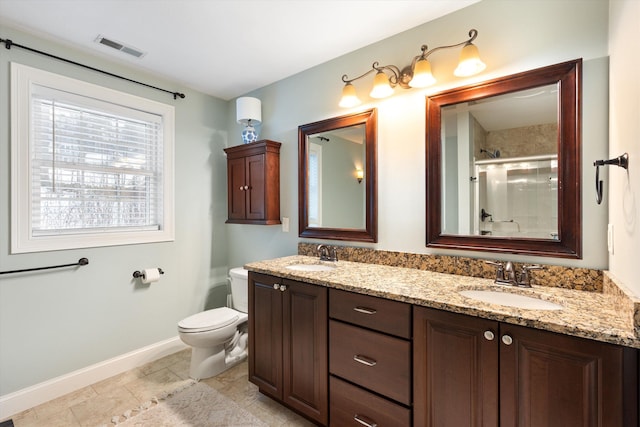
(23, 80)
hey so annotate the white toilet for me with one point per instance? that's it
(218, 337)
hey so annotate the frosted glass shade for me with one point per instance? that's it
(248, 110)
(381, 86)
(470, 62)
(349, 97)
(422, 76)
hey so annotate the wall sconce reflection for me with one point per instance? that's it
(416, 75)
(359, 175)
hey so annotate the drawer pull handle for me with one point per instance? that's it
(365, 421)
(365, 310)
(364, 360)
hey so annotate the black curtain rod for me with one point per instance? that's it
(81, 262)
(8, 44)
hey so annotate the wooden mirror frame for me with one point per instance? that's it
(370, 233)
(569, 242)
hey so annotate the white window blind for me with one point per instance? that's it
(90, 166)
(93, 170)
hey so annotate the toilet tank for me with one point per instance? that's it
(240, 289)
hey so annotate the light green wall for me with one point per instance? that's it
(55, 322)
(511, 39)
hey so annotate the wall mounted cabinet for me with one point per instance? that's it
(253, 180)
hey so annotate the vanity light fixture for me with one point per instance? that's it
(416, 75)
(359, 175)
(248, 113)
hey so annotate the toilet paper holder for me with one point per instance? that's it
(137, 274)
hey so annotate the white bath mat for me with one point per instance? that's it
(194, 406)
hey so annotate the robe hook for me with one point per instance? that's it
(621, 161)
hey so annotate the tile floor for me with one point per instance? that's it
(96, 404)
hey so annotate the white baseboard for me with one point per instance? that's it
(13, 403)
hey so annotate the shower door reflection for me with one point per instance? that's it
(517, 197)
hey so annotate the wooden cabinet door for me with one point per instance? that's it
(236, 194)
(553, 380)
(455, 370)
(265, 334)
(255, 193)
(306, 373)
(288, 343)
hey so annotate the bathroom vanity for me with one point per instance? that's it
(357, 344)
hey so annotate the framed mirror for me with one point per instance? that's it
(337, 178)
(504, 166)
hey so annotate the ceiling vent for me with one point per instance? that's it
(121, 47)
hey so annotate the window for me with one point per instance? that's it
(90, 166)
(315, 185)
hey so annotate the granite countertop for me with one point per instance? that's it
(590, 315)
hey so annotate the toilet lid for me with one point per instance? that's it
(210, 319)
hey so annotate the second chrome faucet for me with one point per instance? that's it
(327, 253)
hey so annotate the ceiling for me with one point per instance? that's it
(224, 48)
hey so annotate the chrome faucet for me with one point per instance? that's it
(506, 274)
(327, 253)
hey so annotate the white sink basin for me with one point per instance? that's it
(311, 267)
(511, 300)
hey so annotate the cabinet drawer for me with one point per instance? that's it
(391, 317)
(373, 360)
(353, 406)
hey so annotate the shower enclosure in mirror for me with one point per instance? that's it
(507, 146)
(337, 184)
(503, 164)
(516, 197)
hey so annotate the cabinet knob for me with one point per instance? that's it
(507, 339)
(489, 335)
(365, 421)
(246, 187)
(241, 188)
(283, 288)
(276, 286)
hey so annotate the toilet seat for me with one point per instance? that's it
(209, 320)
